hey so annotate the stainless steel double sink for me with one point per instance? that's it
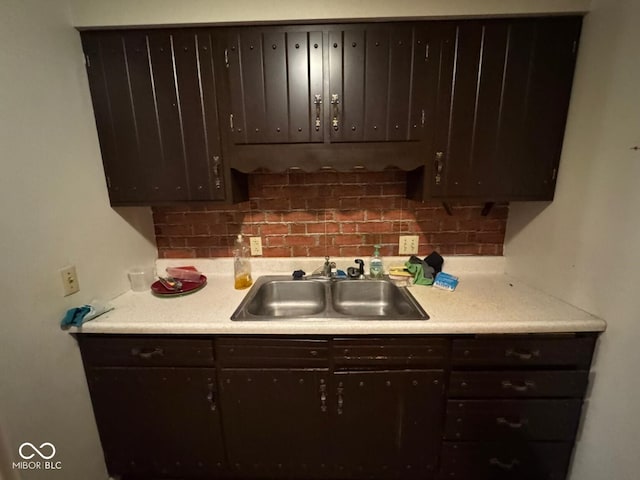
(281, 298)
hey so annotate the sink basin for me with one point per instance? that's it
(288, 298)
(280, 298)
(373, 298)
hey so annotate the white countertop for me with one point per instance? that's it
(485, 301)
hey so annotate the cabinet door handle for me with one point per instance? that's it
(515, 425)
(438, 166)
(519, 387)
(317, 101)
(340, 391)
(504, 466)
(323, 397)
(216, 171)
(147, 354)
(335, 100)
(211, 397)
(522, 355)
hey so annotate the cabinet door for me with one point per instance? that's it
(388, 424)
(154, 100)
(158, 421)
(275, 81)
(539, 113)
(376, 82)
(509, 94)
(276, 422)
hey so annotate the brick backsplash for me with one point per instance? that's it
(328, 213)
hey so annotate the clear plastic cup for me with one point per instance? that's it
(140, 278)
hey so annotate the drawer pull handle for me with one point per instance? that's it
(515, 425)
(519, 386)
(504, 466)
(510, 352)
(147, 354)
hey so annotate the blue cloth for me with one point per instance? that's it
(76, 316)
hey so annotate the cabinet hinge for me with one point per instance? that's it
(575, 47)
(108, 182)
(226, 57)
(87, 61)
(554, 173)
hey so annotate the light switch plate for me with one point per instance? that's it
(408, 245)
(256, 246)
(70, 283)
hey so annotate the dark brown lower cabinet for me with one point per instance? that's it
(276, 422)
(505, 461)
(354, 408)
(387, 424)
(548, 420)
(158, 421)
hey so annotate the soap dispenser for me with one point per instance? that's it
(241, 264)
(376, 269)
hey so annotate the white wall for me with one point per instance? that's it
(54, 211)
(151, 12)
(584, 247)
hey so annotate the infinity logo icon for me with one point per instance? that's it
(36, 450)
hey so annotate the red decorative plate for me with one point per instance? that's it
(187, 287)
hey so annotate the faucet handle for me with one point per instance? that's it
(360, 263)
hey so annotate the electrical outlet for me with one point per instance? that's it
(408, 245)
(256, 246)
(69, 280)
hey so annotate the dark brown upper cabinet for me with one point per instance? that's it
(154, 101)
(340, 96)
(275, 85)
(501, 110)
(474, 109)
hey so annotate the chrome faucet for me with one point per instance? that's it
(329, 268)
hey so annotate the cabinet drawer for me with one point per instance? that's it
(431, 352)
(549, 420)
(523, 352)
(146, 351)
(505, 461)
(268, 352)
(518, 383)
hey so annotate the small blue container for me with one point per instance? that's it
(445, 281)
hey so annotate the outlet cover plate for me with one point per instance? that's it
(256, 246)
(408, 245)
